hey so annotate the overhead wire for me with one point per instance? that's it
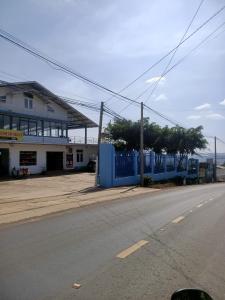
(171, 51)
(172, 57)
(89, 105)
(182, 59)
(177, 63)
(10, 38)
(175, 51)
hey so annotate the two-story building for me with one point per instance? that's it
(34, 130)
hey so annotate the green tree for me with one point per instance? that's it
(126, 135)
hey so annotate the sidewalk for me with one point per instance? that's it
(35, 197)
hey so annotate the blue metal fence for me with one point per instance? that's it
(124, 164)
(159, 164)
(123, 168)
(147, 163)
(170, 163)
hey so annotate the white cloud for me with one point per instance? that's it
(155, 79)
(194, 117)
(222, 102)
(161, 97)
(203, 106)
(215, 116)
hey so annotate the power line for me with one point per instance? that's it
(9, 74)
(182, 59)
(171, 51)
(174, 53)
(89, 105)
(92, 106)
(221, 140)
(67, 70)
(10, 38)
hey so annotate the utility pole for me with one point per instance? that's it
(99, 141)
(215, 158)
(142, 146)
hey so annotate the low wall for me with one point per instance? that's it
(107, 168)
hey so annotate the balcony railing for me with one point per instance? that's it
(81, 140)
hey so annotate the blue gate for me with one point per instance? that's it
(124, 164)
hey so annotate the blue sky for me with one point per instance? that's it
(113, 42)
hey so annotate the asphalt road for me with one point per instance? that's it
(182, 232)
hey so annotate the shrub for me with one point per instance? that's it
(147, 181)
(178, 180)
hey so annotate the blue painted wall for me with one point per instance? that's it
(115, 168)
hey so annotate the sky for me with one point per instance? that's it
(113, 42)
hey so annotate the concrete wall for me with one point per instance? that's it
(15, 103)
(89, 152)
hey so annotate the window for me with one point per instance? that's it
(54, 129)
(80, 156)
(3, 99)
(64, 130)
(28, 158)
(15, 123)
(47, 128)
(32, 128)
(28, 103)
(39, 128)
(1, 121)
(24, 126)
(4, 122)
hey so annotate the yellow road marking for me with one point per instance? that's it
(200, 205)
(132, 249)
(177, 220)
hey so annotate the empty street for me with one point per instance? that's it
(142, 247)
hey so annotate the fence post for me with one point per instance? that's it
(152, 161)
(106, 165)
(175, 163)
(187, 163)
(164, 163)
(135, 166)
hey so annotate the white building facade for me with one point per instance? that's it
(34, 131)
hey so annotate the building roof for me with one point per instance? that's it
(76, 118)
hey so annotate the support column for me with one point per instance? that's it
(85, 135)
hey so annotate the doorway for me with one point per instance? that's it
(4, 162)
(54, 161)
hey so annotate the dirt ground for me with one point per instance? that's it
(35, 197)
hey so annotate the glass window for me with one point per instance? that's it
(47, 128)
(24, 126)
(64, 130)
(1, 121)
(15, 123)
(28, 158)
(60, 130)
(80, 156)
(32, 128)
(39, 128)
(28, 103)
(54, 129)
(6, 122)
(3, 99)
